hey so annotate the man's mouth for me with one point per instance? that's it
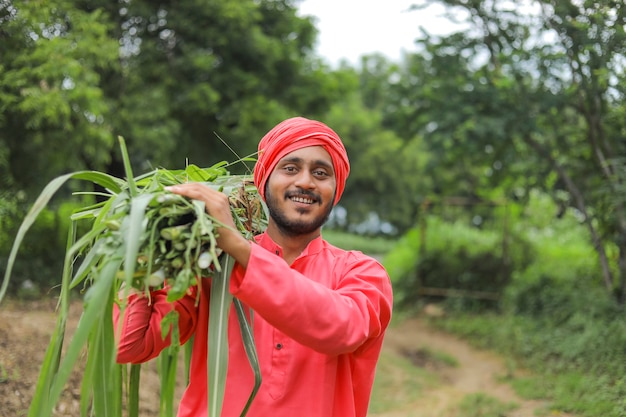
(303, 197)
(303, 200)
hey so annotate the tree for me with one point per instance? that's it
(53, 116)
(52, 107)
(185, 81)
(532, 100)
(383, 189)
(205, 80)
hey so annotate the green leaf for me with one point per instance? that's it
(128, 168)
(133, 230)
(106, 380)
(118, 236)
(41, 202)
(217, 359)
(41, 406)
(248, 343)
(168, 363)
(91, 261)
(106, 181)
(94, 313)
(133, 390)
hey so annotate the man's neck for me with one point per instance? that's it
(292, 245)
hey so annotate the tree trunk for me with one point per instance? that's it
(621, 287)
(579, 203)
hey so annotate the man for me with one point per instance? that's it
(320, 313)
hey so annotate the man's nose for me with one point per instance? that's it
(305, 179)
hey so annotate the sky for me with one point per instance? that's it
(349, 29)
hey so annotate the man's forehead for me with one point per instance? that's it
(308, 153)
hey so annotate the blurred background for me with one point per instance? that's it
(487, 141)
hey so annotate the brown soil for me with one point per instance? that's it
(26, 327)
(477, 372)
(25, 330)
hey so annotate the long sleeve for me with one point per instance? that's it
(333, 306)
(141, 337)
(318, 328)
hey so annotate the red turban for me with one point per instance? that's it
(296, 133)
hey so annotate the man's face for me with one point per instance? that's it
(300, 191)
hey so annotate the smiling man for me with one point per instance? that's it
(320, 312)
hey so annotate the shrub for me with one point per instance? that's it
(453, 257)
(38, 267)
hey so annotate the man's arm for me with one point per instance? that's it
(140, 337)
(229, 239)
(332, 315)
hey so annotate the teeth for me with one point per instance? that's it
(302, 200)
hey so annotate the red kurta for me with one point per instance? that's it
(318, 329)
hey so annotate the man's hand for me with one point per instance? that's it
(229, 239)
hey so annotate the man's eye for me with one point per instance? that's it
(320, 173)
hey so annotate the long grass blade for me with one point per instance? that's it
(133, 390)
(134, 231)
(94, 255)
(168, 364)
(41, 202)
(123, 242)
(217, 358)
(106, 181)
(248, 343)
(86, 387)
(132, 186)
(188, 350)
(93, 314)
(106, 387)
(91, 260)
(40, 406)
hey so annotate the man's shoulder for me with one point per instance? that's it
(348, 254)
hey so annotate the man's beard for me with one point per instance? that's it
(293, 227)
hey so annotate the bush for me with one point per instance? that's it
(39, 264)
(579, 363)
(454, 257)
(371, 245)
(556, 317)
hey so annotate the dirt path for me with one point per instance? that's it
(477, 372)
(25, 331)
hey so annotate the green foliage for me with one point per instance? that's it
(481, 405)
(579, 364)
(563, 277)
(51, 99)
(192, 82)
(129, 238)
(199, 73)
(385, 392)
(373, 246)
(385, 163)
(555, 316)
(401, 260)
(557, 319)
(39, 266)
(452, 256)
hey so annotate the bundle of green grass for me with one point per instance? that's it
(141, 237)
(175, 236)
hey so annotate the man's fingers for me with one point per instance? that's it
(195, 191)
(216, 203)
